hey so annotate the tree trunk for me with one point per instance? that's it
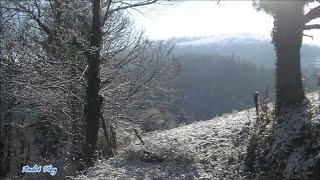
(93, 102)
(5, 151)
(287, 39)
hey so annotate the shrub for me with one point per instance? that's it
(154, 120)
(172, 151)
(286, 147)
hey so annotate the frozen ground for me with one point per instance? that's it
(214, 144)
(213, 149)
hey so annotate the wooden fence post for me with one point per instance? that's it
(256, 101)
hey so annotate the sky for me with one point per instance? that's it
(207, 18)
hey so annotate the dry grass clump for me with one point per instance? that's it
(171, 151)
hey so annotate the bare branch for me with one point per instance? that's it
(34, 17)
(312, 14)
(312, 26)
(80, 46)
(108, 11)
(308, 36)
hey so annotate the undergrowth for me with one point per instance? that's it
(285, 146)
(173, 151)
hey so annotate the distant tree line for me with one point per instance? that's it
(212, 85)
(250, 49)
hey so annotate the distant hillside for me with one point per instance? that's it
(256, 49)
(211, 85)
(220, 73)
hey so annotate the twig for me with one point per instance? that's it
(308, 36)
(139, 136)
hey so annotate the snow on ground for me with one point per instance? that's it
(215, 145)
(213, 149)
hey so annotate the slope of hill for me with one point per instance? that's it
(217, 149)
(204, 150)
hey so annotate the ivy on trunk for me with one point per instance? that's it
(287, 39)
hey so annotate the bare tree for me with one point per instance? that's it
(100, 14)
(55, 51)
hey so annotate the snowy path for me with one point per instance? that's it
(216, 143)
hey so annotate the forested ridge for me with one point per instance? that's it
(257, 50)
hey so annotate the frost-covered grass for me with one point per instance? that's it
(173, 151)
(287, 147)
(210, 149)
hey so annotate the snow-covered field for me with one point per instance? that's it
(215, 144)
(212, 149)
